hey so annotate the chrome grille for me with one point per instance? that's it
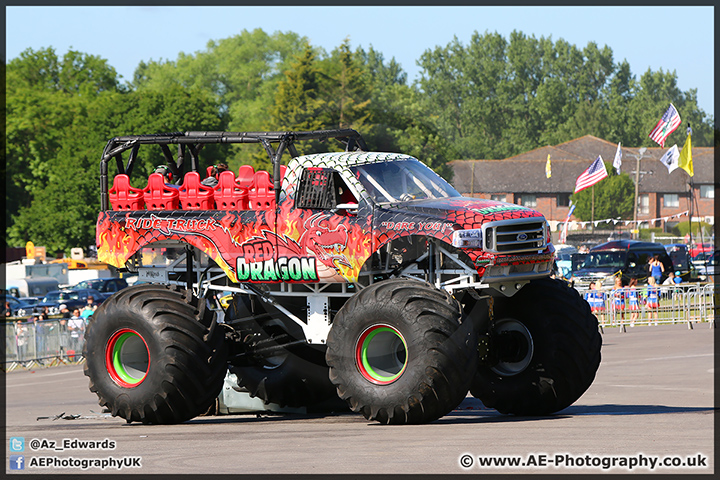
(512, 236)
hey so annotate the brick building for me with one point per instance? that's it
(521, 179)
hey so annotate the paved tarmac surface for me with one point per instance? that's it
(652, 399)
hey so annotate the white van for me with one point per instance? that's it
(30, 286)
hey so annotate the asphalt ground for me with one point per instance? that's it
(652, 401)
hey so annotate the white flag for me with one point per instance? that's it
(618, 159)
(670, 158)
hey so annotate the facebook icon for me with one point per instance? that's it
(17, 462)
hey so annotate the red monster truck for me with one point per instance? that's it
(355, 274)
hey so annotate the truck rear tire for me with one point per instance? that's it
(551, 346)
(155, 355)
(399, 354)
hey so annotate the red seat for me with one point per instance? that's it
(209, 171)
(194, 195)
(228, 194)
(159, 196)
(123, 196)
(262, 195)
(245, 176)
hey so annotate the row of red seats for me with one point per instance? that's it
(250, 190)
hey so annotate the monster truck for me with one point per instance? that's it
(352, 274)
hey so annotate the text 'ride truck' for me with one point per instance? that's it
(356, 274)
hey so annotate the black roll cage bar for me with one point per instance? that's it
(192, 142)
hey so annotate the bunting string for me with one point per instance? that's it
(615, 221)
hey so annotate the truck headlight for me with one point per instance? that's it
(471, 238)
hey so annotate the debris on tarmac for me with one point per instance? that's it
(73, 416)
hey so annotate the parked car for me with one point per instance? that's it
(17, 306)
(701, 258)
(106, 286)
(681, 262)
(628, 258)
(707, 271)
(29, 302)
(696, 248)
(563, 259)
(71, 298)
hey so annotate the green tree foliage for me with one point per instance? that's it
(45, 95)
(492, 98)
(345, 87)
(297, 99)
(56, 130)
(614, 197)
(495, 98)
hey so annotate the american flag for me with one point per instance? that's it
(592, 175)
(667, 124)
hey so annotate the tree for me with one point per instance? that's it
(614, 198)
(60, 212)
(344, 86)
(46, 94)
(495, 98)
(241, 71)
(297, 99)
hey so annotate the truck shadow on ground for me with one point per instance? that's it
(462, 415)
(486, 415)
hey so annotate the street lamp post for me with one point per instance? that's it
(641, 151)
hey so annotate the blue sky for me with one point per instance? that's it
(669, 38)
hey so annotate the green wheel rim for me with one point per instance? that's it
(381, 354)
(127, 358)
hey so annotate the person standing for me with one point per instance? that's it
(656, 268)
(618, 300)
(76, 327)
(599, 301)
(39, 325)
(21, 340)
(653, 300)
(63, 327)
(89, 308)
(633, 298)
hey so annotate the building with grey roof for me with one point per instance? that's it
(661, 196)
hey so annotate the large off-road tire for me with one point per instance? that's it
(399, 354)
(549, 347)
(154, 354)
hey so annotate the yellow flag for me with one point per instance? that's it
(685, 161)
(547, 167)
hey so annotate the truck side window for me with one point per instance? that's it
(322, 188)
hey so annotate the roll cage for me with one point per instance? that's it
(190, 144)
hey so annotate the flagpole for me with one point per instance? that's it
(592, 210)
(692, 195)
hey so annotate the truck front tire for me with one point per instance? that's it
(549, 348)
(399, 354)
(155, 355)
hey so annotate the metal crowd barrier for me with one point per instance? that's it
(43, 342)
(55, 341)
(688, 303)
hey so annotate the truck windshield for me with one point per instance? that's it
(604, 260)
(402, 180)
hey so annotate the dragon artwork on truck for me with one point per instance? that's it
(353, 274)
